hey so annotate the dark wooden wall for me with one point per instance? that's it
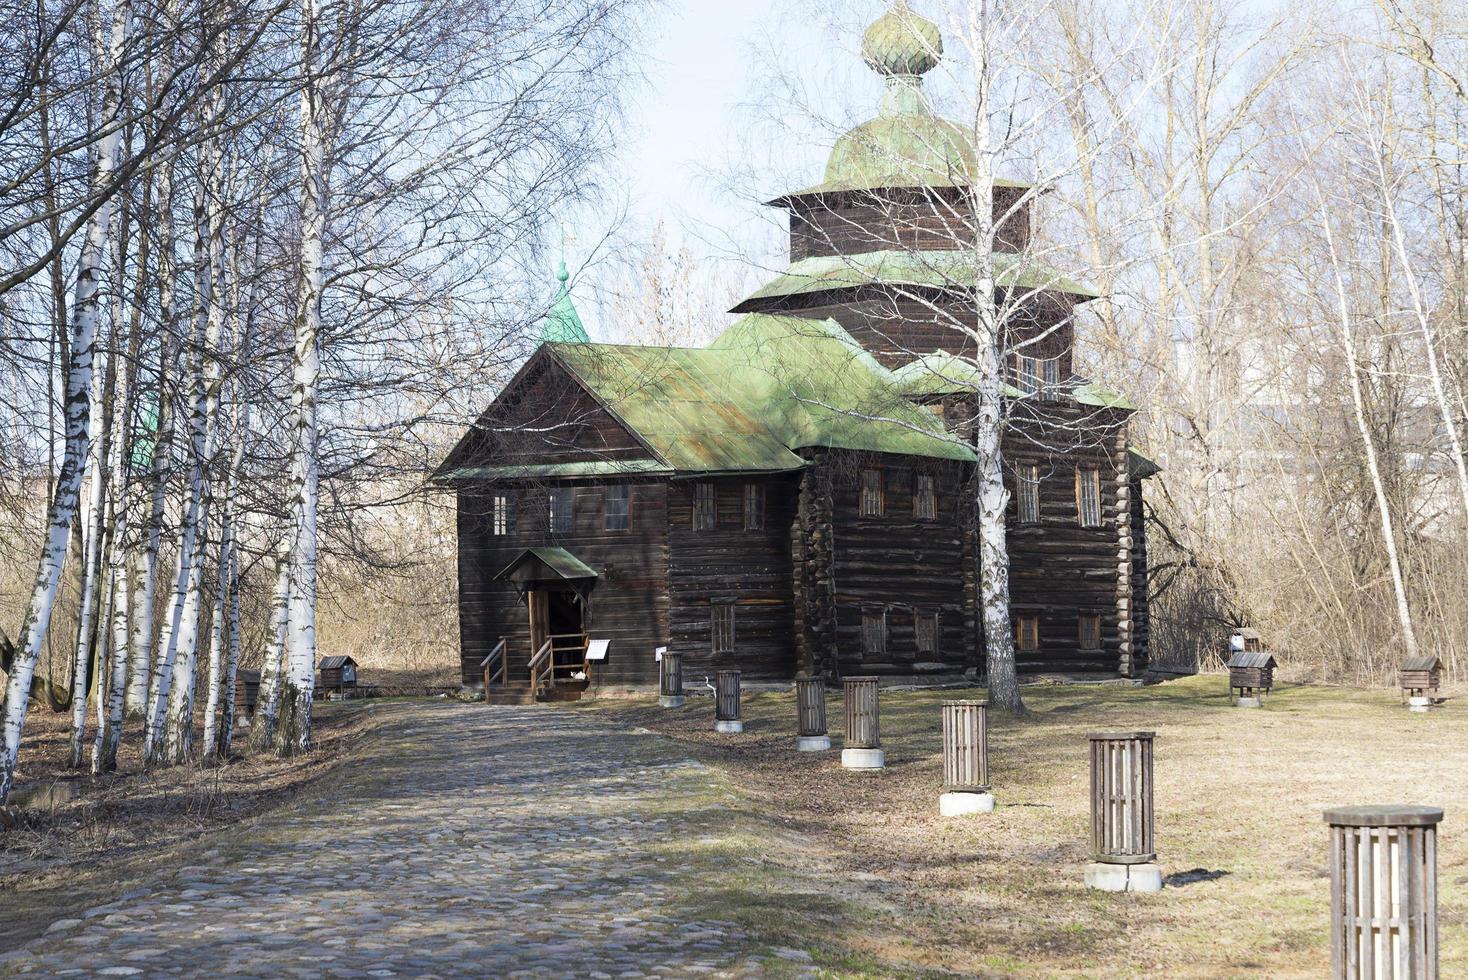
(1060, 570)
(751, 568)
(936, 218)
(895, 563)
(628, 606)
(900, 328)
(1141, 616)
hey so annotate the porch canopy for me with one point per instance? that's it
(548, 568)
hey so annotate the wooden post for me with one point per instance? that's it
(1383, 892)
(863, 749)
(810, 703)
(1123, 851)
(965, 759)
(726, 706)
(670, 679)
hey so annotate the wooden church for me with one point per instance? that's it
(796, 496)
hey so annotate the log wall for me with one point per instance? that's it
(934, 219)
(750, 568)
(629, 604)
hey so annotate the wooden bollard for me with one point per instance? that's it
(1383, 891)
(1123, 849)
(810, 706)
(727, 719)
(965, 759)
(670, 679)
(863, 748)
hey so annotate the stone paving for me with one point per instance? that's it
(464, 841)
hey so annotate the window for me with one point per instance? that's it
(874, 631)
(926, 626)
(560, 510)
(1034, 375)
(615, 513)
(723, 626)
(924, 498)
(1090, 631)
(705, 510)
(502, 515)
(1088, 496)
(1027, 633)
(754, 506)
(873, 502)
(1027, 485)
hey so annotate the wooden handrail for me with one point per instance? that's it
(541, 656)
(497, 671)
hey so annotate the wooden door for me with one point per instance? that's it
(537, 603)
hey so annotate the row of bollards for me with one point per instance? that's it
(1383, 859)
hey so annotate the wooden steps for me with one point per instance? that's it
(520, 693)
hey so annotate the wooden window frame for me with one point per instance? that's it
(606, 510)
(1027, 633)
(501, 515)
(933, 620)
(721, 626)
(1036, 375)
(1027, 493)
(874, 505)
(557, 522)
(1089, 477)
(1088, 631)
(924, 497)
(874, 637)
(705, 515)
(754, 506)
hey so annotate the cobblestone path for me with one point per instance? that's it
(464, 841)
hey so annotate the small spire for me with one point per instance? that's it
(562, 325)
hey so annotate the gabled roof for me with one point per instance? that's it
(940, 268)
(768, 387)
(1424, 662)
(336, 663)
(1251, 660)
(545, 564)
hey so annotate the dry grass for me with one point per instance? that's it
(95, 831)
(861, 866)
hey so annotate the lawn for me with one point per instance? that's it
(858, 867)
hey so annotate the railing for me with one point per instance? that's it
(540, 673)
(494, 666)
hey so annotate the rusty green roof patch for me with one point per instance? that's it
(1093, 394)
(941, 269)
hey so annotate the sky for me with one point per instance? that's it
(709, 66)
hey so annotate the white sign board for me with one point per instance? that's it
(597, 649)
(658, 654)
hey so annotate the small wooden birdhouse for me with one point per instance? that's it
(1418, 675)
(1250, 674)
(338, 673)
(246, 692)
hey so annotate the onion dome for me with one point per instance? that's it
(902, 43)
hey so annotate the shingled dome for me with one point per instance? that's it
(905, 145)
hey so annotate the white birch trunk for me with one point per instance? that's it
(293, 728)
(93, 532)
(267, 702)
(216, 645)
(231, 653)
(988, 427)
(79, 375)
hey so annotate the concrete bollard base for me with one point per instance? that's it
(959, 804)
(863, 758)
(1250, 703)
(1419, 704)
(813, 743)
(728, 727)
(1124, 877)
(670, 700)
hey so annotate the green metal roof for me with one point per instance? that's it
(768, 387)
(562, 325)
(942, 373)
(559, 561)
(1093, 394)
(945, 269)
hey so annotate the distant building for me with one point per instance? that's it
(795, 497)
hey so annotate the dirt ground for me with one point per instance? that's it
(78, 834)
(859, 865)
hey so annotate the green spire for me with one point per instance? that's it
(562, 325)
